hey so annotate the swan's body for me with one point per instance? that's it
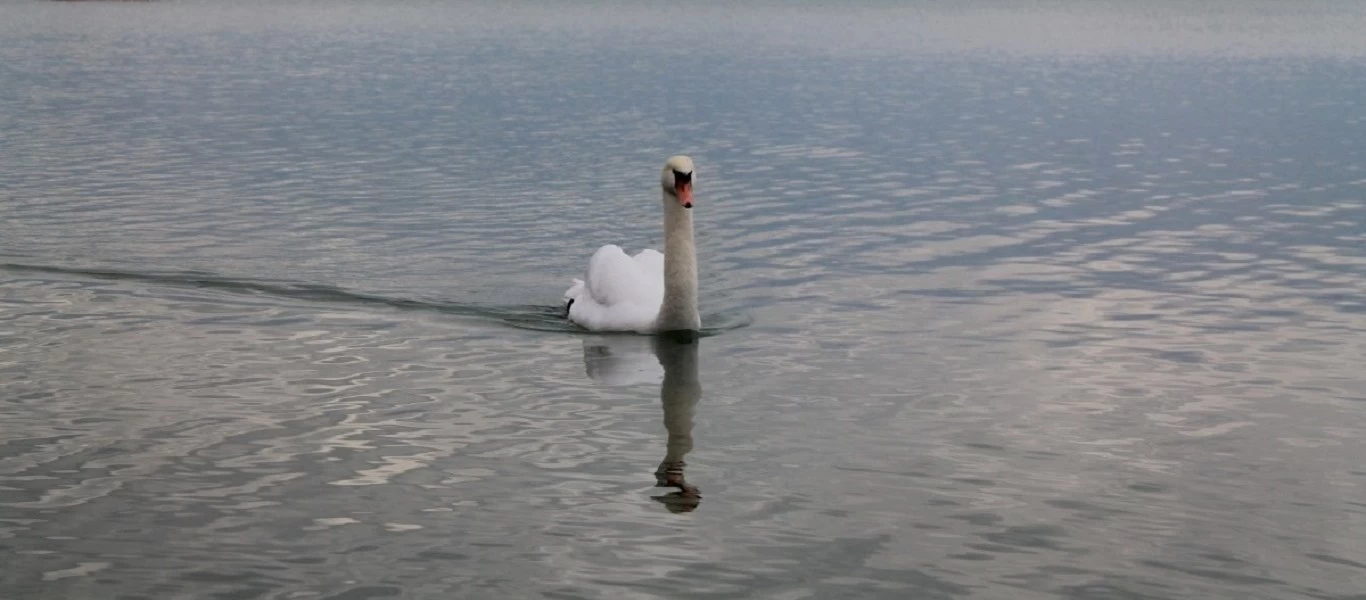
(649, 292)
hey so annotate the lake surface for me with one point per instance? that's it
(1006, 300)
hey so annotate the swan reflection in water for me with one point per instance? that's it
(671, 361)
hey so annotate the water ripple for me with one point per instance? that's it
(1074, 315)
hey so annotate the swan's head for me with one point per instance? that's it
(677, 179)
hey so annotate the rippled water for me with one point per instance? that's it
(1025, 301)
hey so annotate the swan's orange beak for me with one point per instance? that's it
(683, 190)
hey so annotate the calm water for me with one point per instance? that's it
(1006, 301)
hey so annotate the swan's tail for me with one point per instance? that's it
(574, 291)
(572, 294)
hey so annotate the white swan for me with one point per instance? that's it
(648, 292)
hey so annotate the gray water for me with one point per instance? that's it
(1006, 300)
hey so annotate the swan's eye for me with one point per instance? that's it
(681, 177)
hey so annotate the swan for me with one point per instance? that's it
(649, 292)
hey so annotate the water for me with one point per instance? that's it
(1005, 300)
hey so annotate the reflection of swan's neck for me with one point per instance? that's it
(679, 394)
(679, 309)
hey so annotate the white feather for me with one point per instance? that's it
(619, 292)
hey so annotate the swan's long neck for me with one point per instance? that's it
(679, 310)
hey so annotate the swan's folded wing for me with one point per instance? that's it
(651, 263)
(615, 278)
